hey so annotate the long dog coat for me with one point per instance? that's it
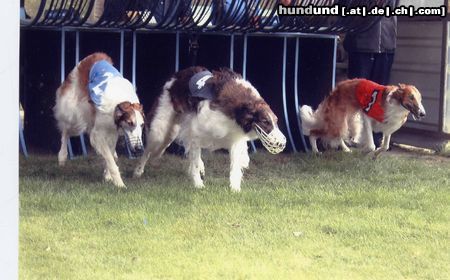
(370, 95)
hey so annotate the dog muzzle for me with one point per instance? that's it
(135, 145)
(274, 142)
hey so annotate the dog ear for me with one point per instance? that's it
(139, 108)
(245, 116)
(120, 110)
(395, 94)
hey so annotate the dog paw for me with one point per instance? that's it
(199, 185)
(375, 154)
(107, 178)
(138, 172)
(369, 149)
(347, 150)
(202, 172)
(119, 185)
(235, 189)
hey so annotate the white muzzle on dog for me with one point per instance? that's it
(274, 142)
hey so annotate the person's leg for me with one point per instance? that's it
(360, 65)
(381, 72)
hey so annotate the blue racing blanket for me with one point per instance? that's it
(99, 75)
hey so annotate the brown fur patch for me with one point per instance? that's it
(125, 112)
(232, 98)
(409, 97)
(80, 74)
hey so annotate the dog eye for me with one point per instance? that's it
(411, 97)
(130, 123)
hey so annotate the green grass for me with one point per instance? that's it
(298, 217)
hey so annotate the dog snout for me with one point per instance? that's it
(139, 150)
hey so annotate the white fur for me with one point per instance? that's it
(311, 118)
(394, 118)
(205, 129)
(76, 115)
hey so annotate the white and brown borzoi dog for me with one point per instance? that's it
(208, 110)
(382, 109)
(96, 99)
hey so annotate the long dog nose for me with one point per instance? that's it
(139, 150)
(422, 112)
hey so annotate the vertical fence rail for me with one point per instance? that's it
(335, 44)
(244, 75)
(77, 59)
(286, 116)
(232, 52)
(122, 51)
(177, 51)
(297, 102)
(22, 139)
(63, 75)
(133, 62)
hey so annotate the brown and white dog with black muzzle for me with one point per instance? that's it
(210, 110)
(96, 99)
(381, 108)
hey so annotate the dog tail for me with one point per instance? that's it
(307, 118)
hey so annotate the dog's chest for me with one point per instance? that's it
(395, 116)
(210, 129)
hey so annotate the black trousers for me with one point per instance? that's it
(372, 66)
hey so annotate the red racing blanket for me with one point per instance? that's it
(370, 95)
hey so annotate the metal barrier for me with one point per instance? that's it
(224, 17)
(235, 16)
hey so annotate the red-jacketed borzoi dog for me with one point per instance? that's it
(381, 108)
(210, 110)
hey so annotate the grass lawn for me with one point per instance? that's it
(298, 216)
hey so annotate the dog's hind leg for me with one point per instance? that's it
(162, 131)
(62, 155)
(156, 146)
(343, 146)
(313, 142)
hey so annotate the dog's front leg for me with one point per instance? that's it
(384, 145)
(343, 146)
(62, 155)
(369, 144)
(238, 160)
(100, 144)
(195, 154)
